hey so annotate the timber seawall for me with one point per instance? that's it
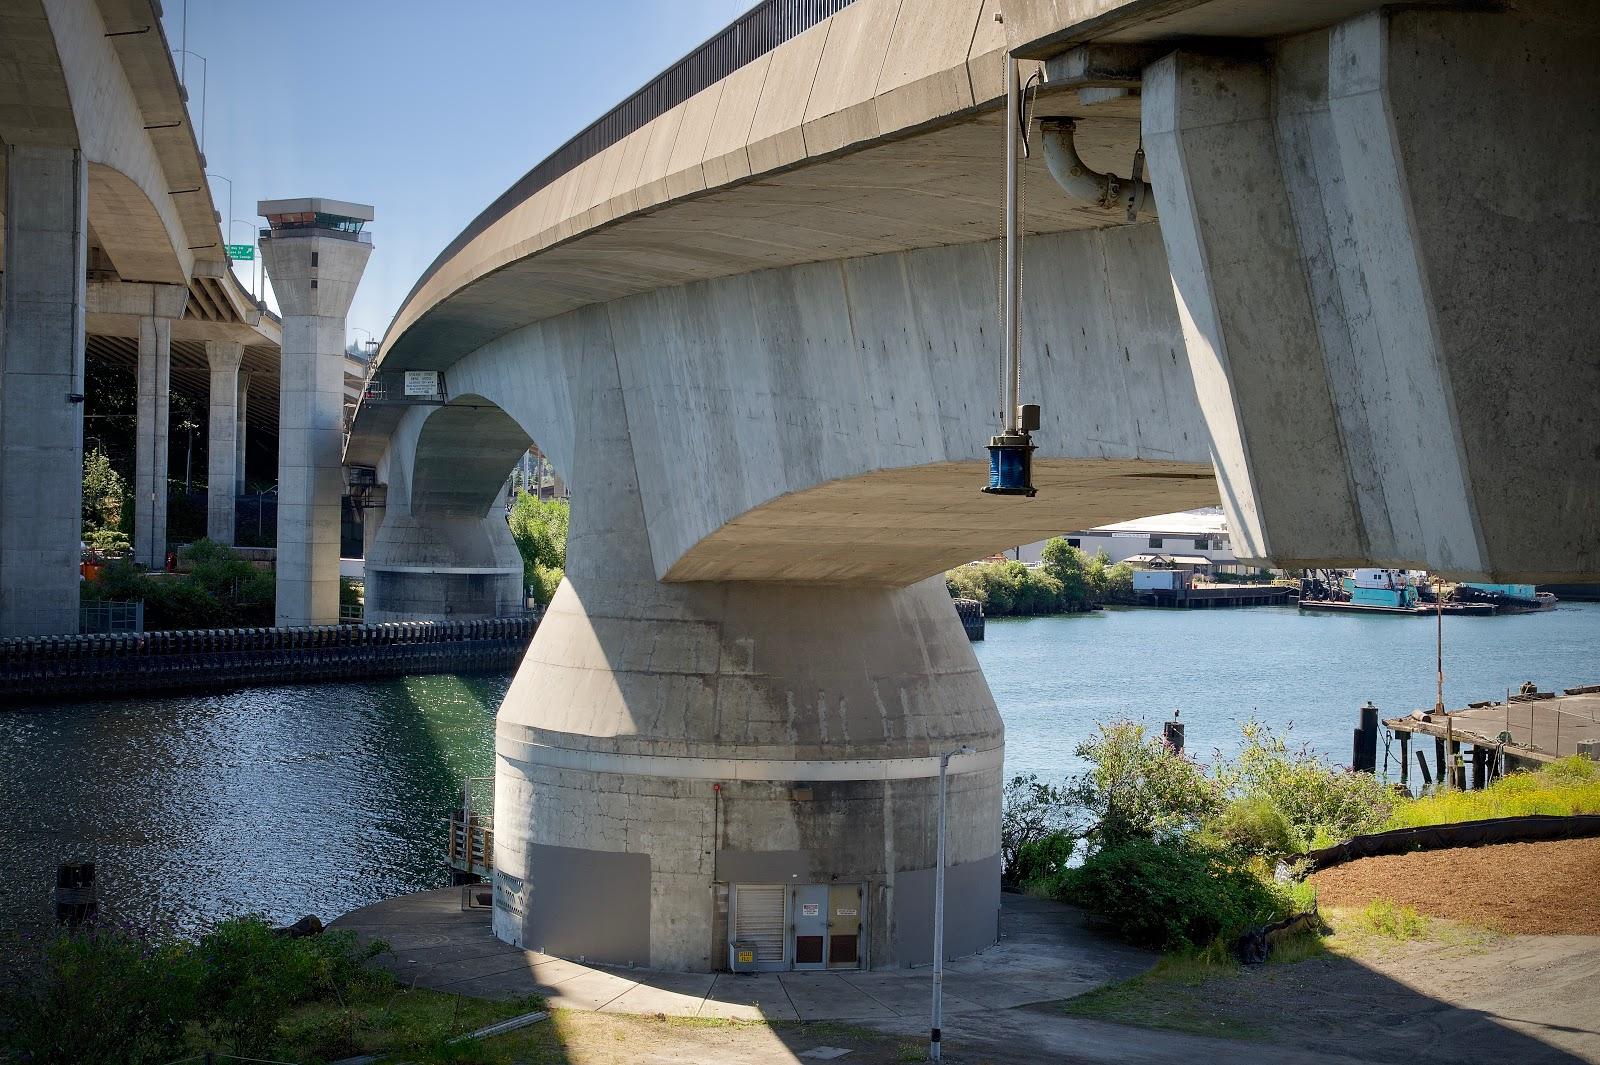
(40, 668)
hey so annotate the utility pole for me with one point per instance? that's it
(938, 910)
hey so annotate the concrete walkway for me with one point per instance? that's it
(1044, 955)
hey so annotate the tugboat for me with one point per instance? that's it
(1381, 591)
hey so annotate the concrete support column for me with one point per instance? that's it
(1383, 246)
(150, 443)
(41, 371)
(664, 743)
(222, 473)
(314, 272)
(241, 426)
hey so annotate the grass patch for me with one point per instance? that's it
(1570, 786)
(1172, 996)
(1383, 918)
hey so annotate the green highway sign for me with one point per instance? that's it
(241, 253)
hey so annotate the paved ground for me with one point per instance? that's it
(1462, 996)
(1044, 955)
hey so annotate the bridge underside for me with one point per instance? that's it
(1378, 335)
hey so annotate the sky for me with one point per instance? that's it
(426, 111)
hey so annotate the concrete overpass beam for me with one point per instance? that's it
(223, 448)
(41, 381)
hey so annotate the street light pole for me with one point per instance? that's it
(938, 909)
(205, 68)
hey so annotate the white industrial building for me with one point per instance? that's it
(1187, 533)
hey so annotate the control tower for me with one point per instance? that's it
(314, 251)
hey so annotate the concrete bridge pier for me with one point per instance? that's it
(1386, 253)
(224, 444)
(668, 748)
(315, 255)
(41, 370)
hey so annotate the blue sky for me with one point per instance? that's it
(426, 111)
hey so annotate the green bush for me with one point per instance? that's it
(1253, 826)
(1175, 895)
(1319, 802)
(108, 542)
(1139, 788)
(1006, 588)
(540, 529)
(1043, 860)
(220, 591)
(1031, 811)
(101, 995)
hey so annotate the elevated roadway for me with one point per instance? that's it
(750, 314)
(112, 250)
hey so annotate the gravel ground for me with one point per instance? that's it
(1532, 888)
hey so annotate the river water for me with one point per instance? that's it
(322, 798)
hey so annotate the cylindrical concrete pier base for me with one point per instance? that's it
(668, 750)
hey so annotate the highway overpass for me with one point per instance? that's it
(112, 251)
(751, 315)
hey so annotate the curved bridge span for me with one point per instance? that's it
(753, 322)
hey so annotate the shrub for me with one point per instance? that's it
(1175, 895)
(108, 542)
(100, 995)
(1139, 788)
(1006, 588)
(1317, 801)
(1383, 918)
(1031, 812)
(1043, 860)
(221, 590)
(112, 995)
(1253, 826)
(254, 976)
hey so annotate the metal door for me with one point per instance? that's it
(759, 918)
(809, 916)
(845, 903)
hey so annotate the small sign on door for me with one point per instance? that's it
(810, 909)
(842, 912)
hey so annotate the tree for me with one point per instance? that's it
(540, 530)
(1068, 566)
(103, 492)
(1032, 813)
(1139, 788)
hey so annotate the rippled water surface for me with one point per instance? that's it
(322, 798)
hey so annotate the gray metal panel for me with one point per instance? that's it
(764, 867)
(593, 903)
(971, 911)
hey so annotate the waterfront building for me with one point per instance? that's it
(1199, 537)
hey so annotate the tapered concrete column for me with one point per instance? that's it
(150, 443)
(41, 370)
(315, 270)
(1414, 192)
(665, 743)
(241, 427)
(222, 474)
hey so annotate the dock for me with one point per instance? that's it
(1522, 731)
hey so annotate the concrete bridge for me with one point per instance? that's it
(750, 315)
(112, 250)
